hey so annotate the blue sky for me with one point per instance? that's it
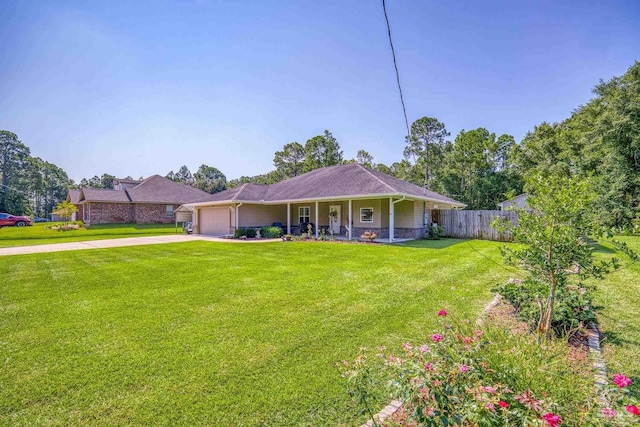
(139, 88)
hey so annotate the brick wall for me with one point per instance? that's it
(151, 213)
(108, 213)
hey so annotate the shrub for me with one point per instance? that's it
(573, 304)
(271, 232)
(434, 232)
(244, 232)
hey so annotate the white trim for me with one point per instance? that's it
(350, 226)
(288, 218)
(330, 198)
(367, 222)
(317, 219)
(238, 215)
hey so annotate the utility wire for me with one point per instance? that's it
(513, 271)
(395, 65)
(16, 190)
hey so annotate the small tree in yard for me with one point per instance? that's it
(66, 210)
(556, 239)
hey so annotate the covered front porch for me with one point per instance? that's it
(390, 218)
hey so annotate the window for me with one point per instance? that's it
(366, 214)
(304, 214)
(168, 210)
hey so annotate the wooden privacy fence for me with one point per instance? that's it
(474, 224)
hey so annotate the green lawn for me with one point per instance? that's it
(619, 317)
(40, 233)
(204, 333)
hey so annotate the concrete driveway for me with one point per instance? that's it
(116, 243)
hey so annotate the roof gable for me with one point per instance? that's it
(73, 196)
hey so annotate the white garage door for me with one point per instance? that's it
(215, 221)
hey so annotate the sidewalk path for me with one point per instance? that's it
(119, 242)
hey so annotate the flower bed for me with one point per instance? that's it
(495, 375)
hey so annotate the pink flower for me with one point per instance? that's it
(428, 367)
(467, 340)
(633, 410)
(608, 412)
(503, 404)
(407, 346)
(442, 313)
(551, 420)
(436, 337)
(490, 406)
(464, 369)
(488, 389)
(621, 381)
(424, 349)
(478, 333)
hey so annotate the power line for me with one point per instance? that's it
(513, 271)
(395, 65)
(16, 190)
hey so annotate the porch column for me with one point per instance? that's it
(392, 224)
(194, 219)
(350, 221)
(288, 218)
(316, 220)
(237, 215)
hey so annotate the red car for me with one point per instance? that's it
(19, 221)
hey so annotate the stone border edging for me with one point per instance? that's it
(386, 412)
(599, 364)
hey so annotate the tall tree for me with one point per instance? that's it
(209, 179)
(601, 139)
(478, 169)
(365, 159)
(322, 150)
(427, 138)
(184, 176)
(14, 157)
(289, 162)
(106, 181)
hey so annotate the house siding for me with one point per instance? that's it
(261, 215)
(404, 212)
(367, 203)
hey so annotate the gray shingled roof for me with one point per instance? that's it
(342, 181)
(102, 195)
(158, 189)
(155, 189)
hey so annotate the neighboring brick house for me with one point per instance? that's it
(152, 200)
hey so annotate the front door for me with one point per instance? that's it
(334, 219)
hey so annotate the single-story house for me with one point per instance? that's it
(152, 200)
(519, 202)
(346, 199)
